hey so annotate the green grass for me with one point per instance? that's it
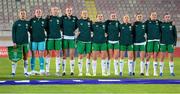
(79, 89)
(5, 71)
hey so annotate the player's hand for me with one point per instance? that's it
(106, 34)
(78, 33)
(92, 34)
(174, 47)
(14, 44)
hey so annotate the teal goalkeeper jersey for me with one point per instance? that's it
(37, 29)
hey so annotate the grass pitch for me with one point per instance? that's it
(5, 71)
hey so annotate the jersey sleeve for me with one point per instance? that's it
(14, 32)
(175, 34)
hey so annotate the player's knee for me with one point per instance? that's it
(80, 56)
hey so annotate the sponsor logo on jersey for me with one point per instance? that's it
(130, 28)
(170, 27)
(143, 26)
(103, 26)
(157, 23)
(89, 24)
(26, 26)
(57, 21)
(42, 23)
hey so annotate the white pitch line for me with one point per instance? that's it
(78, 80)
(108, 80)
(2, 81)
(22, 81)
(44, 81)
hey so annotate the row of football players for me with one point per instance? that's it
(109, 40)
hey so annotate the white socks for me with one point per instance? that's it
(171, 67)
(130, 66)
(161, 67)
(48, 62)
(103, 66)
(87, 65)
(142, 67)
(121, 64)
(58, 63)
(14, 65)
(116, 67)
(80, 65)
(133, 66)
(64, 65)
(25, 66)
(108, 66)
(94, 64)
(72, 65)
(48, 59)
(155, 66)
(147, 68)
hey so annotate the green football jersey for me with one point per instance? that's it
(113, 29)
(153, 29)
(53, 27)
(139, 31)
(20, 32)
(69, 25)
(37, 29)
(99, 30)
(84, 26)
(168, 33)
(126, 34)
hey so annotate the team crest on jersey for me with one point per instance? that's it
(50, 20)
(65, 17)
(116, 24)
(163, 26)
(19, 24)
(57, 21)
(170, 27)
(34, 21)
(26, 26)
(73, 20)
(157, 23)
(42, 23)
(103, 26)
(97, 25)
(89, 24)
(143, 26)
(81, 23)
(123, 27)
(130, 28)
